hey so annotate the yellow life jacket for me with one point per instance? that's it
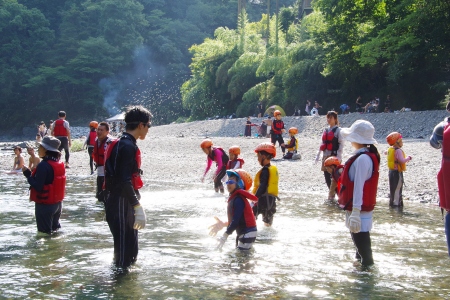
(295, 148)
(391, 162)
(272, 187)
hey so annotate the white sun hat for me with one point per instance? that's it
(360, 132)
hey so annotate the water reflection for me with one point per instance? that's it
(307, 254)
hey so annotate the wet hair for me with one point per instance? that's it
(104, 124)
(62, 113)
(136, 115)
(333, 114)
(18, 147)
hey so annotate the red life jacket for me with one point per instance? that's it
(249, 217)
(92, 137)
(232, 163)
(54, 192)
(277, 125)
(443, 176)
(59, 129)
(370, 186)
(136, 179)
(99, 151)
(329, 141)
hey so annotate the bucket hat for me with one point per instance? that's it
(50, 143)
(360, 132)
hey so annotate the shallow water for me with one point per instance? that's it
(307, 254)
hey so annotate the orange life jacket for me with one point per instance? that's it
(54, 192)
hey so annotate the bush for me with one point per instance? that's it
(77, 145)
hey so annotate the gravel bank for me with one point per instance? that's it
(171, 153)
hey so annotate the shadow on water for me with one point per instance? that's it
(308, 253)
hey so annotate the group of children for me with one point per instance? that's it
(241, 213)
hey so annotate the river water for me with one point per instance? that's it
(307, 253)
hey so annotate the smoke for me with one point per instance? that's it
(135, 86)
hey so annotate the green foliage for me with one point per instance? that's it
(77, 145)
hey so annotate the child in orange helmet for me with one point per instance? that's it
(396, 160)
(333, 166)
(266, 184)
(235, 161)
(292, 146)
(220, 157)
(277, 131)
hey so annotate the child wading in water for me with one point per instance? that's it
(18, 161)
(358, 187)
(235, 161)
(277, 131)
(396, 160)
(334, 168)
(292, 146)
(220, 157)
(239, 211)
(266, 184)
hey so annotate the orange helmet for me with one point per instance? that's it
(293, 130)
(206, 143)
(276, 113)
(267, 147)
(234, 150)
(393, 137)
(331, 161)
(93, 124)
(244, 179)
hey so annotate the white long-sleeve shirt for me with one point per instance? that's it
(360, 171)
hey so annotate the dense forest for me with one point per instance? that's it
(194, 59)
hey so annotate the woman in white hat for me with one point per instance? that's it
(358, 189)
(47, 185)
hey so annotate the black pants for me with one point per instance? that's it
(327, 178)
(218, 179)
(120, 218)
(277, 138)
(64, 145)
(363, 247)
(395, 188)
(47, 216)
(91, 159)
(266, 206)
(100, 193)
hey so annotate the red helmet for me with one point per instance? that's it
(93, 124)
(331, 161)
(293, 130)
(206, 143)
(393, 137)
(267, 147)
(234, 150)
(276, 113)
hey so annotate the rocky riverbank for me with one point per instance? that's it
(171, 153)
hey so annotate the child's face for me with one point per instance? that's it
(400, 143)
(278, 117)
(16, 151)
(232, 156)
(30, 151)
(231, 184)
(206, 150)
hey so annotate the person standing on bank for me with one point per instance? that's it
(358, 187)
(98, 155)
(124, 214)
(48, 184)
(61, 130)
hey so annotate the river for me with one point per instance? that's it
(308, 253)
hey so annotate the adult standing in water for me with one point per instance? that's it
(101, 142)
(124, 214)
(90, 141)
(61, 130)
(440, 139)
(48, 184)
(332, 145)
(358, 189)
